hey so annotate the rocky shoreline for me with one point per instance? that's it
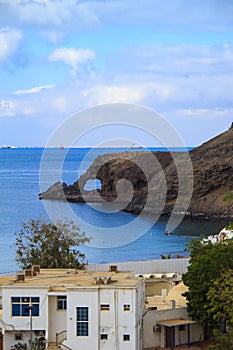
(212, 192)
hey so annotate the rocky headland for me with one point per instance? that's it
(212, 192)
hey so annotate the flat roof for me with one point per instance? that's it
(5, 279)
(61, 279)
(176, 322)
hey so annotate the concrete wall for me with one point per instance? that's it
(149, 266)
(115, 322)
(155, 287)
(152, 339)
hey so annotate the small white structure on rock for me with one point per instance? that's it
(223, 235)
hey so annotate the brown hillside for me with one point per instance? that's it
(212, 194)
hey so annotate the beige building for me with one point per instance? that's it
(166, 322)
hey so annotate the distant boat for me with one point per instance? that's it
(6, 147)
(135, 147)
(61, 148)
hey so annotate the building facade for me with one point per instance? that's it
(97, 310)
(84, 310)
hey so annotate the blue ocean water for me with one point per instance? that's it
(19, 185)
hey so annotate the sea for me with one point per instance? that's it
(21, 182)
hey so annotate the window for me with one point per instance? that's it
(61, 302)
(104, 307)
(103, 336)
(82, 321)
(20, 306)
(18, 336)
(181, 328)
(126, 307)
(126, 337)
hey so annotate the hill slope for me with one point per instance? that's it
(212, 194)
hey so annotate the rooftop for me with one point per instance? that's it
(162, 303)
(61, 279)
(176, 322)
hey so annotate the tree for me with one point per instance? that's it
(207, 263)
(220, 297)
(49, 245)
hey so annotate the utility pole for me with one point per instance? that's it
(30, 306)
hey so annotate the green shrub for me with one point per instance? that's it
(228, 198)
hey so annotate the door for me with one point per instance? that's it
(170, 337)
(1, 341)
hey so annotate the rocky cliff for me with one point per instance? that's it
(212, 194)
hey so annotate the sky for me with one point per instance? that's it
(61, 57)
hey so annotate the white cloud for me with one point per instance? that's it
(33, 90)
(68, 15)
(7, 108)
(173, 60)
(78, 59)
(139, 93)
(197, 125)
(72, 57)
(79, 14)
(111, 94)
(9, 42)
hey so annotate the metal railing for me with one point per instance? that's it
(63, 346)
(61, 336)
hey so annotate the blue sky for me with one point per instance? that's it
(59, 57)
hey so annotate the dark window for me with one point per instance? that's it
(15, 309)
(18, 336)
(82, 321)
(20, 306)
(104, 307)
(126, 337)
(103, 336)
(61, 302)
(182, 328)
(126, 307)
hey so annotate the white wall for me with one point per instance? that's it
(23, 323)
(127, 319)
(115, 322)
(108, 321)
(84, 297)
(149, 266)
(141, 311)
(9, 339)
(57, 318)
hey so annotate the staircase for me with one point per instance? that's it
(52, 346)
(57, 346)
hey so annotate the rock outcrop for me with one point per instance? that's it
(212, 194)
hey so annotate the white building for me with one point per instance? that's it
(84, 309)
(223, 235)
(109, 310)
